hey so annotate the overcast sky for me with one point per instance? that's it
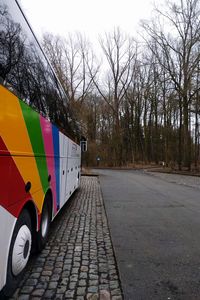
(92, 17)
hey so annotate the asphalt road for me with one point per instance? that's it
(155, 229)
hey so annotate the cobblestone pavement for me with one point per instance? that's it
(78, 261)
(192, 181)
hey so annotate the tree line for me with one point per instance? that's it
(141, 101)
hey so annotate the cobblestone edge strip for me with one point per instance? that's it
(78, 261)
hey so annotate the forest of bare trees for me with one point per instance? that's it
(140, 102)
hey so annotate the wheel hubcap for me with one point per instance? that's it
(21, 250)
(26, 248)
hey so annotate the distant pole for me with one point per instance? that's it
(83, 145)
(98, 160)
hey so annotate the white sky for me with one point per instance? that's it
(92, 17)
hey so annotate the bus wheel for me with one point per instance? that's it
(19, 252)
(44, 226)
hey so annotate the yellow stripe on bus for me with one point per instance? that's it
(15, 136)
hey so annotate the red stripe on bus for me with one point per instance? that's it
(12, 185)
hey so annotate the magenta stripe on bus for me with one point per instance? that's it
(49, 150)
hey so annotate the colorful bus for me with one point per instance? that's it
(39, 151)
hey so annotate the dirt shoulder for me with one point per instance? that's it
(151, 168)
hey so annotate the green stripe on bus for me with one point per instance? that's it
(32, 120)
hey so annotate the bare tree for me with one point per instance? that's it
(71, 58)
(180, 49)
(119, 52)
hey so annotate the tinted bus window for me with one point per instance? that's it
(25, 70)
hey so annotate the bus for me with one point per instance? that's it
(39, 146)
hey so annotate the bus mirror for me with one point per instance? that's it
(83, 146)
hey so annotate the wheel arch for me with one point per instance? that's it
(31, 208)
(49, 198)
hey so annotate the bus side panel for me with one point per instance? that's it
(74, 156)
(69, 173)
(7, 226)
(63, 171)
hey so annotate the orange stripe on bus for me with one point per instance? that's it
(15, 136)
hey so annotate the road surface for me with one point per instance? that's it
(155, 229)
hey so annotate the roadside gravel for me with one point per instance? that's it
(191, 181)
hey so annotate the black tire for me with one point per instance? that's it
(44, 226)
(18, 259)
